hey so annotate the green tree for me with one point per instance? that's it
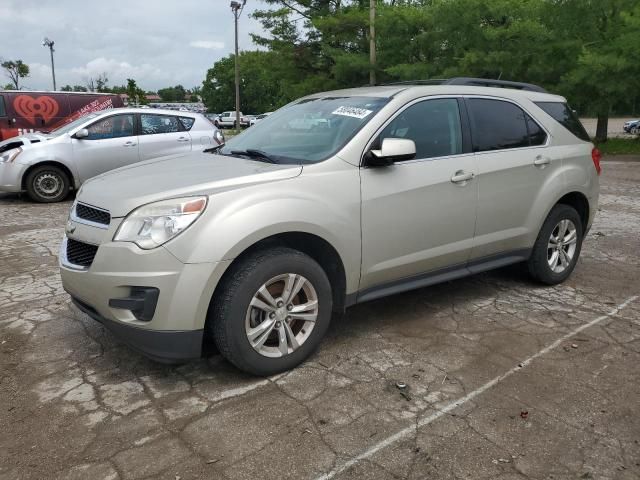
(15, 70)
(603, 74)
(67, 88)
(137, 96)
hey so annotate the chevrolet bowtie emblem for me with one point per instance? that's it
(70, 227)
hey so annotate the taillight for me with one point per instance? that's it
(596, 155)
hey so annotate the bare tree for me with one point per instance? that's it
(16, 70)
(97, 84)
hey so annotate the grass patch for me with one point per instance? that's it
(620, 146)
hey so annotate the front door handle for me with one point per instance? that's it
(541, 161)
(129, 144)
(462, 177)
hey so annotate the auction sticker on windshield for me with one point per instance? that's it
(354, 112)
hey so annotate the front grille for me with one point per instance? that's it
(79, 253)
(91, 214)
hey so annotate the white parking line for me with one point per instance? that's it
(461, 401)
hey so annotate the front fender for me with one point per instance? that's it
(323, 204)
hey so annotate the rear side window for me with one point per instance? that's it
(152, 124)
(537, 136)
(566, 117)
(497, 125)
(3, 112)
(434, 126)
(187, 122)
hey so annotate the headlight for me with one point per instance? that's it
(10, 155)
(152, 225)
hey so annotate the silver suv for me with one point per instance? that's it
(392, 188)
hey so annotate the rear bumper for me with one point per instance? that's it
(165, 346)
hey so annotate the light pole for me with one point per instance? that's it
(236, 8)
(372, 42)
(50, 43)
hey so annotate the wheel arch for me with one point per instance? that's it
(580, 203)
(310, 244)
(53, 163)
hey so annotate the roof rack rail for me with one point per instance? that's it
(475, 82)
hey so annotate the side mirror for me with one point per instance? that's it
(392, 150)
(80, 134)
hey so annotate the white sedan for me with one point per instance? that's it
(99, 142)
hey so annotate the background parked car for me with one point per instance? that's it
(23, 112)
(99, 142)
(257, 118)
(228, 120)
(632, 126)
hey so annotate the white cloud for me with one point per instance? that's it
(208, 44)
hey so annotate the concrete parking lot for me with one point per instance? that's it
(614, 127)
(504, 379)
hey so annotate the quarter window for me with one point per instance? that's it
(115, 126)
(153, 124)
(434, 126)
(187, 122)
(3, 112)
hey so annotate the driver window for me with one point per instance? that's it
(434, 126)
(115, 126)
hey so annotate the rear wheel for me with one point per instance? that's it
(47, 184)
(557, 247)
(271, 312)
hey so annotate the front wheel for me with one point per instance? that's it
(557, 247)
(47, 184)
(271, 311)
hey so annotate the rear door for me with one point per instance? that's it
(112, 143)
(513, 167)
(418, 216)
(162, 135)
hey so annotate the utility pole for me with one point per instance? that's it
(50, 43)
(236, 8)
(372, 42)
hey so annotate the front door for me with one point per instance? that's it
(162, 135)
(111, 144)
(418, 216)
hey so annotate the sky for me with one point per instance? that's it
(159, 43)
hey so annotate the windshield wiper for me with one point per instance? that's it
(254, 154)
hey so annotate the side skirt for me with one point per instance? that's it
(439, 276)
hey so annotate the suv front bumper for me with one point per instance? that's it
(175, 329)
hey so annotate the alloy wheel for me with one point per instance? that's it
(281, 315)
(562, 246)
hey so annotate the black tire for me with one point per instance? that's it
(538, 263)
(226, 317)
(47, 184)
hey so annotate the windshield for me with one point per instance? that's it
(70, 126)
(308, 131)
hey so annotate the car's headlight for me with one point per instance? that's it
(152, 225)
(10, 155)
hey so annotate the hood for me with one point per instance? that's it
(126, 188)
(24, 140)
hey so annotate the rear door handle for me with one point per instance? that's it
(183, 139)
(541, 161)
(461, 176)
(129, 144)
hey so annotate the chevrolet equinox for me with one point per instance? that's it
(338, 198)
